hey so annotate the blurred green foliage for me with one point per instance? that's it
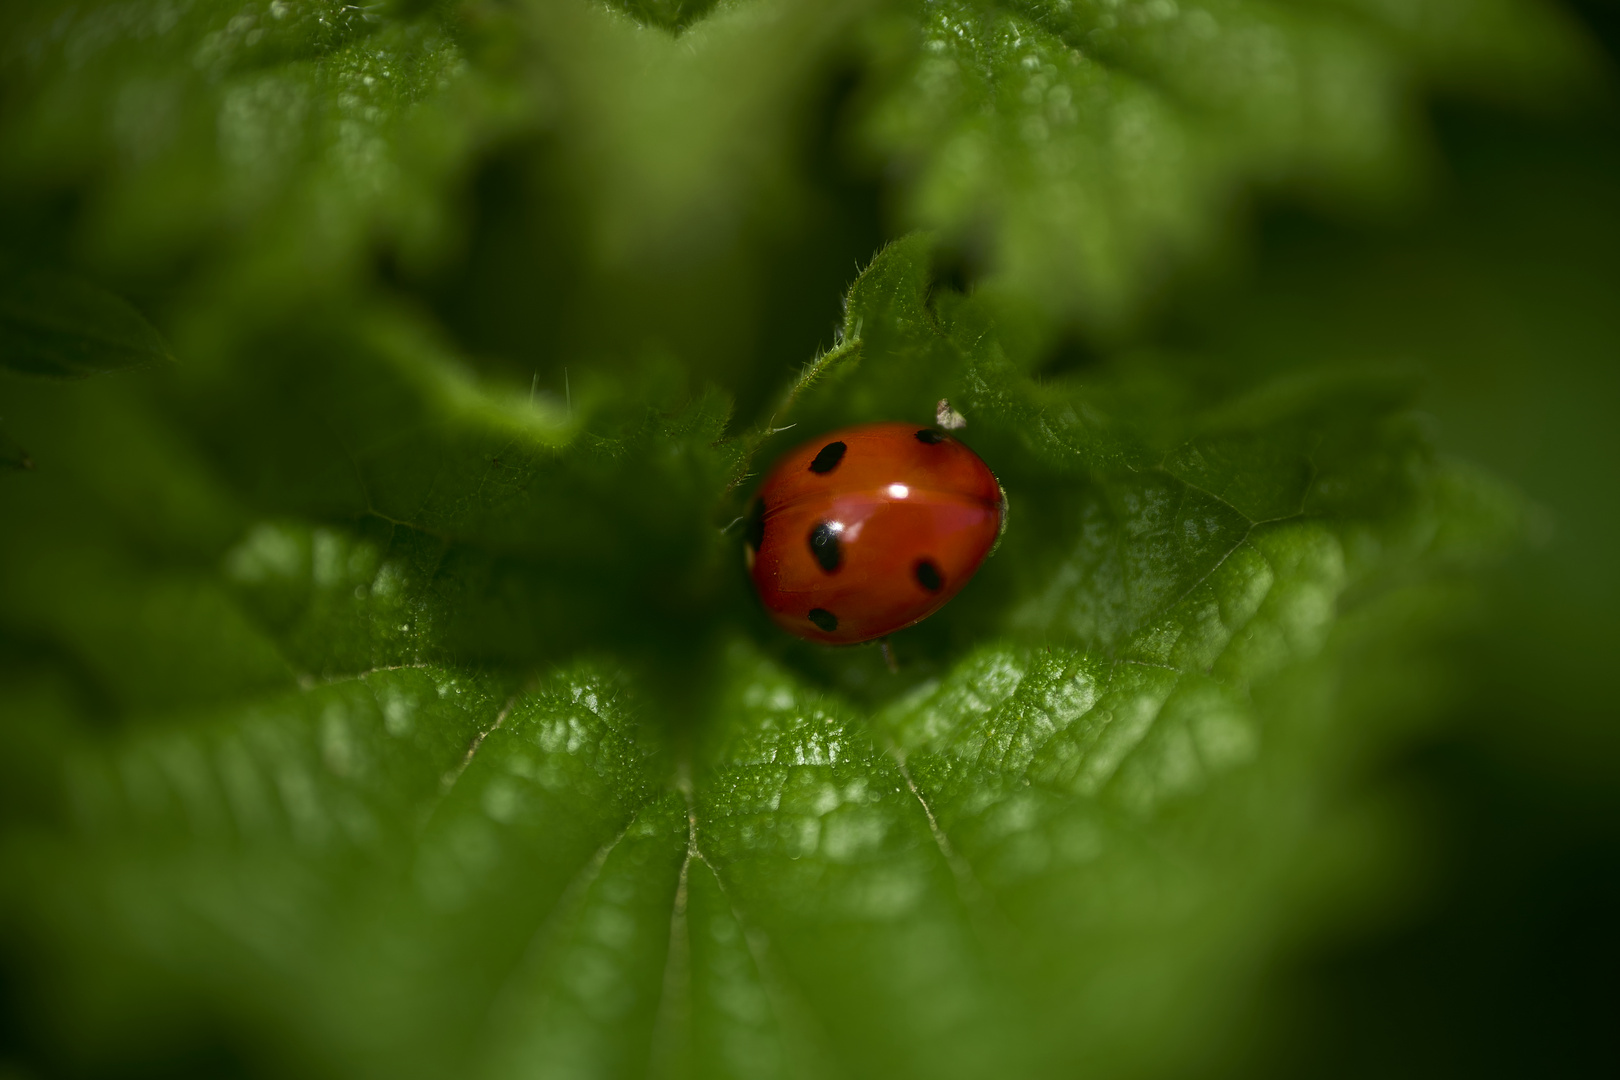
(380, 689)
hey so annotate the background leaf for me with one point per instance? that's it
(62, 326)
(1078, 151)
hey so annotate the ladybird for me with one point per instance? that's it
(870, 529)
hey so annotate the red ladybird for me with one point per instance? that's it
(867, 530)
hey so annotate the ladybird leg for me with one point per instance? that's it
(888, 656)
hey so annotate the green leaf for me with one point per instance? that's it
(269, 142)
(1079, 151)
(670, 14)
(734, 856)
(62, 326)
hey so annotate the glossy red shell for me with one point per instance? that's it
(910, 512)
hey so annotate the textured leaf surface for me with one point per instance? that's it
(429, 861)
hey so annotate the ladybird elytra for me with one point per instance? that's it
(870, 529)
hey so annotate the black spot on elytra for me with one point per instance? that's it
(928, 575)
(824, 619)
(930, 436)
(828, 459)
(824, 546)
(754, 529)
